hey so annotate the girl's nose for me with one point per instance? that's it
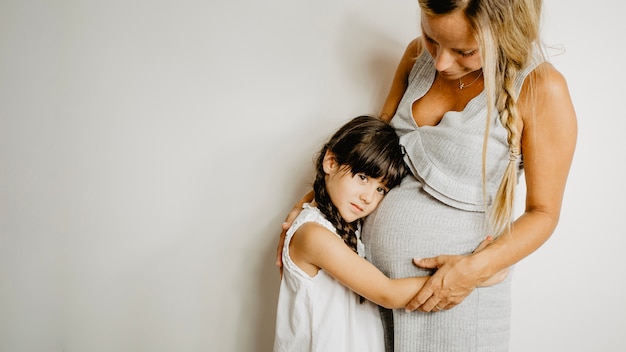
(367, 195)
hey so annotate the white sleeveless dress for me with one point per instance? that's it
(439, 209)
(318, 314)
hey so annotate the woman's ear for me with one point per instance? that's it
(329, 163)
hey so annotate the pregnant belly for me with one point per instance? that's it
(409, 223)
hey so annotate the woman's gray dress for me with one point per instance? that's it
(439, 209)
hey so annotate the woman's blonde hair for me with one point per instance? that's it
(507, 32)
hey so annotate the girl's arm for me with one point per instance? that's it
(548, 143)
(314, 247)
(401, 79)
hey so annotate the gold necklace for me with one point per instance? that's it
(463, 85)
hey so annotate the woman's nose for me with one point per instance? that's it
(443, 61)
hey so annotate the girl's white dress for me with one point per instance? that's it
(318, 313)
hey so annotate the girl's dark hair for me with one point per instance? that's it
(364, 145)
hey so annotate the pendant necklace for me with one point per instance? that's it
(463, 85)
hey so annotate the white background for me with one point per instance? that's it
(149, 151)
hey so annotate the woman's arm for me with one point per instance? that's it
(287, 224)
(313, 247)
(400, 79)
(548, 143)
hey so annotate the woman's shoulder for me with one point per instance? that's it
(415, 46)
(554, 82)
(545, 96)
(413, 50)
(544, 84)
(546, 75)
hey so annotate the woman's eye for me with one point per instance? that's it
(430, 41)
(427, 37)
(362, 177)
(468, 54)
(382, 190)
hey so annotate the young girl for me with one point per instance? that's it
(323, 258)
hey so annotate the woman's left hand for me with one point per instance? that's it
(454, 280)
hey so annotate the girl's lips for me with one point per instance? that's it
(356, 207)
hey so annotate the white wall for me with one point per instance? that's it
(150, 149)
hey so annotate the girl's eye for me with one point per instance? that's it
(362, 177)
(382, 190)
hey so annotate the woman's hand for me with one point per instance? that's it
(454, 280)
(295, 211)
(281, 241)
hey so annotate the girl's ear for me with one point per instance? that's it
(329, 163)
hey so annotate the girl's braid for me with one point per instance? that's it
(345, 230)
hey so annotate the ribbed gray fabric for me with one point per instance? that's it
(439, 209)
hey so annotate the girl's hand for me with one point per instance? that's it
(497, 278)
(483, 244)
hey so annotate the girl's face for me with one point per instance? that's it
(450, 41)
(354, 195)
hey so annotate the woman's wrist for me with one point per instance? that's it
(481, 267)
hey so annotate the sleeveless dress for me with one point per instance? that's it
(439, 209)
(318, 314)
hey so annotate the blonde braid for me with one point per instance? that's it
(502, 208)
(508, 45)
